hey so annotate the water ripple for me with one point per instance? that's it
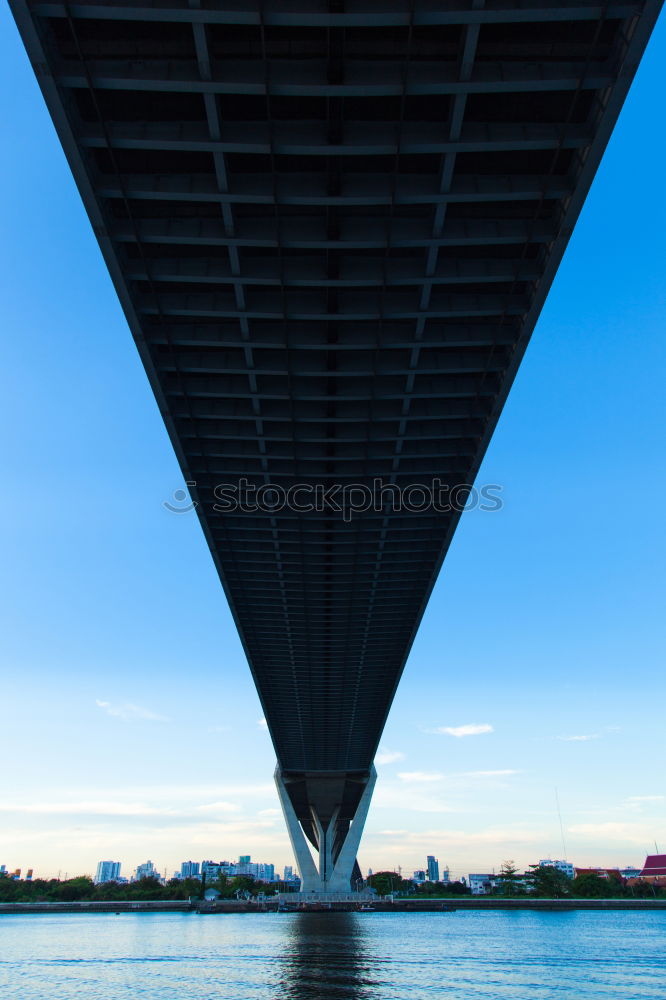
(465, 956)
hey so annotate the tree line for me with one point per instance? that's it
(82, 888)
(541, 881)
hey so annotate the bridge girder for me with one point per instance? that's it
(332, 227)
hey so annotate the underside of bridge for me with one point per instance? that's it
(332, 226)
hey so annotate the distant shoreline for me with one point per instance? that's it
(379, 906)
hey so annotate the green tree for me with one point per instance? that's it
(243, 883)
(223, 886)
(75, 888)
(111, 891)
(186, 888)
(147, 888)
(509, 884)
(550, 882)
(458, 888)
(643, 890)
(386, 883)
(589, 885)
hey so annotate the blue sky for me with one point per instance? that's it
(130, 726)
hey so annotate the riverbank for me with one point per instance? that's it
(101, 906)
(377, 906)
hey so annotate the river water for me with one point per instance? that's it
(520, 955)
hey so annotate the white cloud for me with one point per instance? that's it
(262, 723)
(386, 756)
(188, 792)
(129, 712)
(182, 803)
(89, 808)
(585, 737)
(496, 836)
(126, 838)
(216, 807)
(436, 791)
(420, 776)
(643, 803)
(580, 739)
(472, 729)
(408, 796)
(629, 833)
(505, 773)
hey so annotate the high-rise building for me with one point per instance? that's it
(246, 866)
(189, 869)
(446, 876)
(433, 869)
(213, 869)
(146, 870)
(563, 866)
(107, 871)
(288, 873)
(263, 871)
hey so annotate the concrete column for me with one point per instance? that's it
(328, 874)
(344, 865)
(310, 880)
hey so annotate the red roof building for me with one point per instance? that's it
(601, 872)
(655, 864)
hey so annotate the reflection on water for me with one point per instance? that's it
(497, 955)
(325, 956)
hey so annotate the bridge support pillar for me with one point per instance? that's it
(332, 829)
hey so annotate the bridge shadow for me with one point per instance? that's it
(326, 956)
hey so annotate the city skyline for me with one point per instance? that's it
(111, 871)
(433, 869)
(130, 715)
